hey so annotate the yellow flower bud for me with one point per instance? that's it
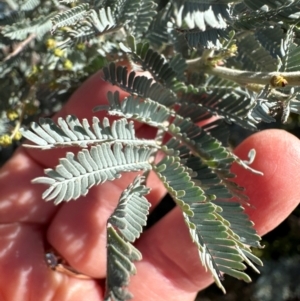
(32, 77)
(5, 140)
(12, 114)
(17, 136)
(50, 43)
(233, 48)
(68, 65)
(58, 52)
(80, 46)
(278, 81)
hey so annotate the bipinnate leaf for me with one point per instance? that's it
(20, 30)
(146, 111)
(249, 74)
(147, 59)
(220, 247)
(199, 142)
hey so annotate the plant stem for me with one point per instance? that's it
(20, 47)
(249, 77)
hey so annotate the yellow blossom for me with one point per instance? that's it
(80, 46)
(33, 75)
(278, 81)
(233, 48)
(17, 136)
(5, 140)
(68, 65)
(12, 114)
(58, 52)
(50, 43)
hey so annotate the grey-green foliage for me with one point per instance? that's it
(124, 226)
(72, 132)
(70, 17)
(203, 59)
(20, 30)
(73, 177)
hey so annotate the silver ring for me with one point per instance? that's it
(56, 264)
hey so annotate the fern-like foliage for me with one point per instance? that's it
(290, 53)
(287, 11)
(71, 132)
(120, 267)
(201, 144)
(219, 246)
(140, 14)
(270, 39)
(94, 24)
(139, 85)
(74, 176)
(156, 35)
(124, 226)
(70, 17)
(207, 13)
(30, 5)
(131, 214)
(256, 58)
(19, 31)
(153, 62)
(228, 100)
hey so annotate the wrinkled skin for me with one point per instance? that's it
(170, 269)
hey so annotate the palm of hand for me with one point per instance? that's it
(170, 269)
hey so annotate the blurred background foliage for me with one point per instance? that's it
(37, 76)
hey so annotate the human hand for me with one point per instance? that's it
(170, 269)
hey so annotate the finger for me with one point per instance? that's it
(274, 195)
(25, 275)
(78, 230)
(170, 265)
(22, 170)
(90, 94)
(169, 257)
(20, 200)
(26, 205)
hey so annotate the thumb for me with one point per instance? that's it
(273, 196)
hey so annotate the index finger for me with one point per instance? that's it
(81, 103)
